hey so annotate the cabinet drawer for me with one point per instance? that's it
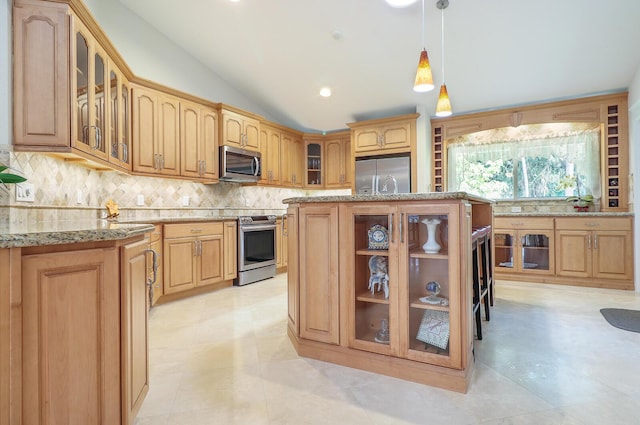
(192, 229)
(524, 222)
(593, 223)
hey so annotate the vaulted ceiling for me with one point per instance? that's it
(498, 53)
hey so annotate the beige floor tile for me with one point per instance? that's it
(547, 357)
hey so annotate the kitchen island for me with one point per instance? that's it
(73, 322)
(383, 283)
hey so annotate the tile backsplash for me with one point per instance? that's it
(67, 191)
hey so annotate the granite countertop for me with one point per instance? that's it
(427, 196)
(565, 214)
(54, 233)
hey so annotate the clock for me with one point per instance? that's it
(378, 237)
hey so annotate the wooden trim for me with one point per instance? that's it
(142, 82)
(382, 121)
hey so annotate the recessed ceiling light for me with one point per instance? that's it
(400, 3)
(325, 92)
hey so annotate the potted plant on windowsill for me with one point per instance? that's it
(581, 203)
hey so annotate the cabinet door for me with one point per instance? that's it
(397, 136)
(41, 79)
(537, 252)
(314, 165)
(145, 131)
(433, 248)
(347, 160)
(190, 137)
(286, 160)
(334, 169)
(367, 139)
(179, 268)
(273, 156)
(371, 270)
(319, 319)
(71, 337)
(155, 244)
(573, 253)
(297, 161)
(504, 241)
(293, 269)
(251, 129)
(117, 135)
(209, 146)
(612, 255)
(230, 250)
(232, 131)
(209, 261)
(135, 329)
(169, 135)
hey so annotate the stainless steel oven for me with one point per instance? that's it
(256, 248)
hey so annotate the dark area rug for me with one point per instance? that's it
(629, 320)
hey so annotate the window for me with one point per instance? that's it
(534, 161)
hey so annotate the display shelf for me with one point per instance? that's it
(379, 252)
(427, 348)
(419, 253)
(418, 304)
(369, 336)
(377, 297)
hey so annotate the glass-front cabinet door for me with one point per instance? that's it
(90, 94)
(314, 164)
(429, 284)
(373, 322)
(529, 251)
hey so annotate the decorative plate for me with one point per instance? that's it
(378, 237)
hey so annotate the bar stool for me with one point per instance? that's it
(479, 246)
(487, 264)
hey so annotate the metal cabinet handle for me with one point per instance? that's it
(401, 230)
(588, 241)
(85, 133)
(595, 241)
(150, 281)
(391, 218)
(125, 152)
(98, 137)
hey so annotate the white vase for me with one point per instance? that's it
(431, 246)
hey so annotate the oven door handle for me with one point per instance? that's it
(257, 227)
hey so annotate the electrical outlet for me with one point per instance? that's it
(185, 201)
(141, 200)
(516, 209)
(25, 192)
(79, 197)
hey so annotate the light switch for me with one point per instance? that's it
(25, 192)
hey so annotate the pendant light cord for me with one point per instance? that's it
(442, 26)
(423, 42)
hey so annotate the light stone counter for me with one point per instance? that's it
(565, 214)
(426, 196)
(61, 232)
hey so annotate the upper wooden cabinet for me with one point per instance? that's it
(314, 163)
(384, 136)
(198, 141)
(84, 111)
(292, 160)
(271, 148)
(156, 132)
(338, 162)
(240, 131)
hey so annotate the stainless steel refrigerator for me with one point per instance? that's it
(383, 175)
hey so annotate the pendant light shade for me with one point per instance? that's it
(424, 77)
(400, 3)
(443, 108)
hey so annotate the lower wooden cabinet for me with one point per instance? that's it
(193, 255)
(74, 334)
(155, 245)
(595, 248)
(230, 250)
(281, 242)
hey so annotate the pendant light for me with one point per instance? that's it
(400, 3)
(443, 108)
(424, 78)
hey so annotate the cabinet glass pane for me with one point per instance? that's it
(535, 252)
(429, 285)
(372, 279)
(314, 163)
(113, 127)
(82, 76)
(99, 103)
(126, 129)
(503, 243)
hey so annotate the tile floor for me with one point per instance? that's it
(548, 357)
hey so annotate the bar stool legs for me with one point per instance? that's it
(482, 273)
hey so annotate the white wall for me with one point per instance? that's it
(634, 146)
(5, 74)
(153, 56)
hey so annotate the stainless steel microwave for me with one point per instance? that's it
(239, 165)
